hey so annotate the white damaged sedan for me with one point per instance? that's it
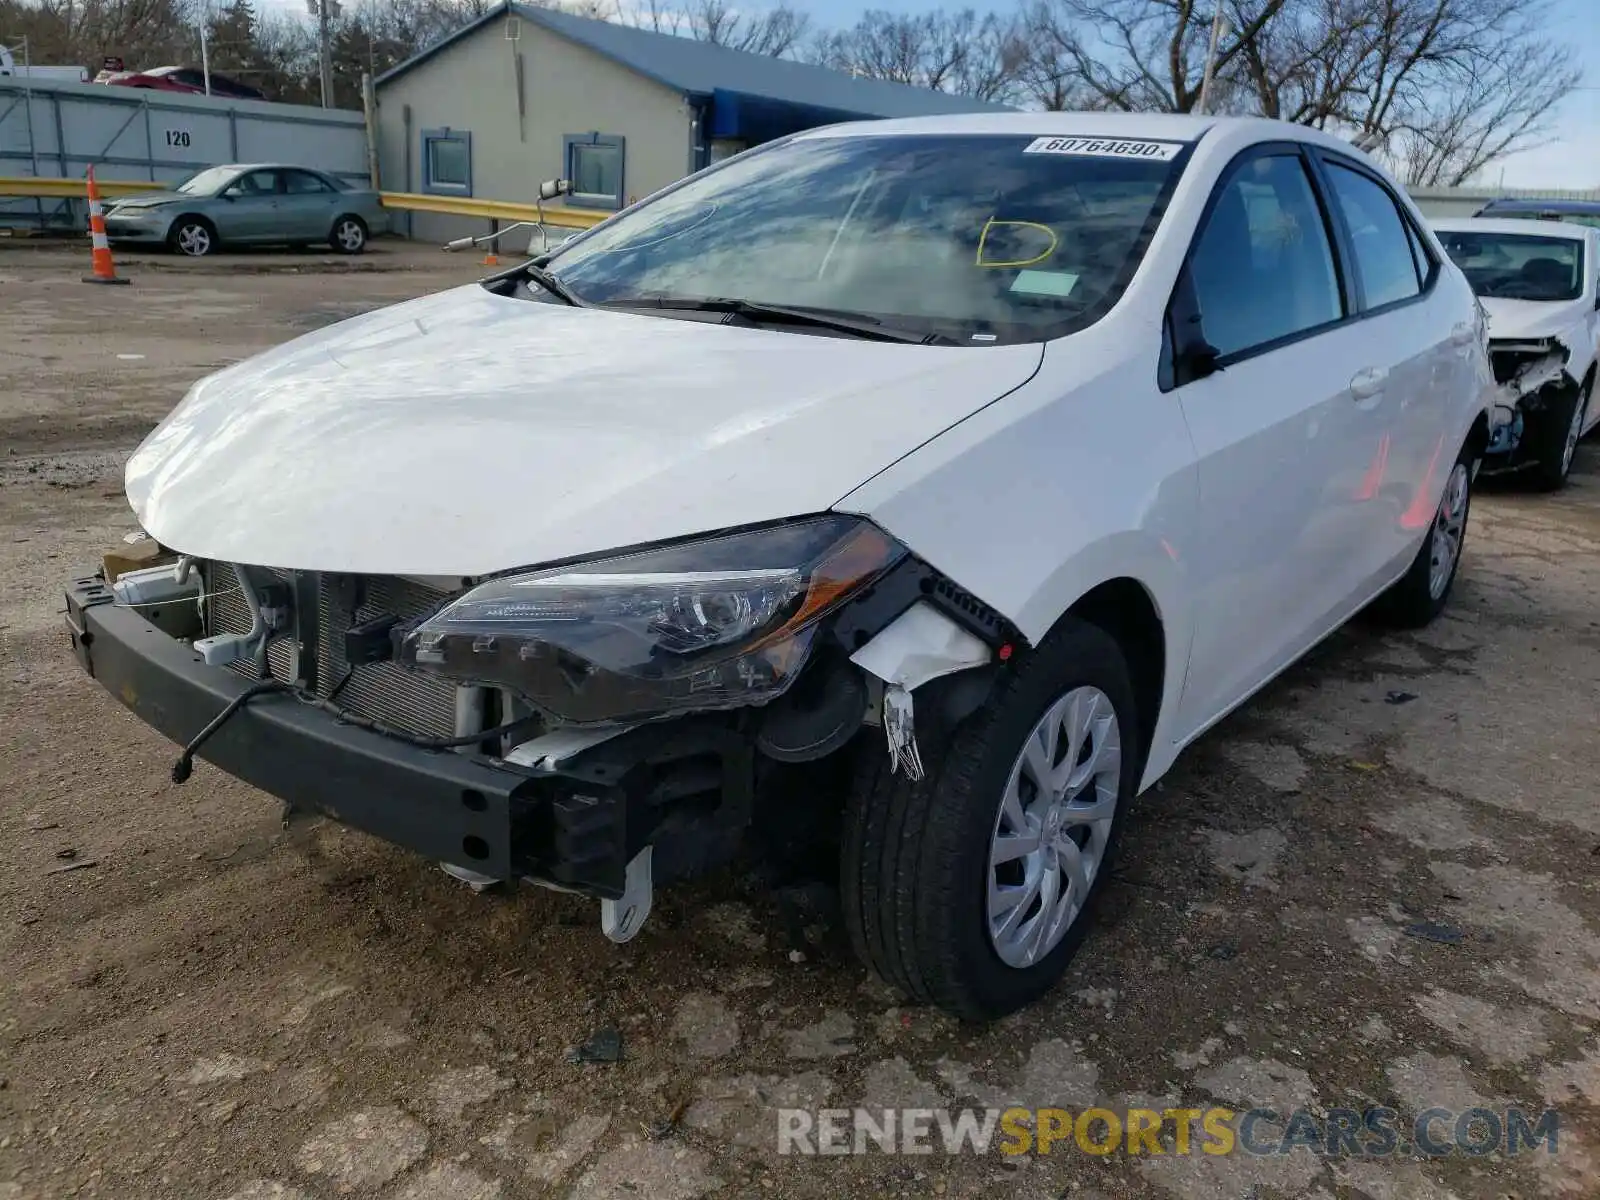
(989, 460)
(1539, 283)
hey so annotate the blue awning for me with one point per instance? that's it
(755, 119)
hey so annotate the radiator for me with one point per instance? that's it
(407, 700)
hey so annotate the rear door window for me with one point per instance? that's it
(304, 183)
(1379, 237)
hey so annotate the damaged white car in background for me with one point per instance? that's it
(1539, 283)
(925, 484)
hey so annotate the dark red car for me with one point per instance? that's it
(182, 79)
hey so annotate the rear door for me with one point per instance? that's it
(1281, 443)
(307, 206)
(1409, 372)
(249, 208)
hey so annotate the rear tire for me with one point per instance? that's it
(918, 862)
(1422, 592)
(349, 235)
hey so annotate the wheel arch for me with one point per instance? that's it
(173, 225)
(1133, 586)
(1477, 439)
(1124, 609)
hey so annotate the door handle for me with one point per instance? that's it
(1367, 383)
(1463, 334)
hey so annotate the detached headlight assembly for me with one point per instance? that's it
(722, 622)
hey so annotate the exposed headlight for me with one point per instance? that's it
(720, 622)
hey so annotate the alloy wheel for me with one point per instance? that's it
(1053, 826)
(350, 236)
(194, 240)
(1448, 527)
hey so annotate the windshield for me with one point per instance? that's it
(986, 239)
(206, 182)
(1518, 266)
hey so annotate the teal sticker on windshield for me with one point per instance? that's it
(1044, 283)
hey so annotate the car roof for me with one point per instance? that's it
(268, 166)
(1183, 127)
(1510, 225)
(1187, 128)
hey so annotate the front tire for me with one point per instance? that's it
(971, 889)
(1422, 592)
(1559, 430)
(193, 237)
(349, 235)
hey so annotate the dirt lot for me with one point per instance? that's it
(1336, 900)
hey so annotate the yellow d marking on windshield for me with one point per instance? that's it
(1025, 262)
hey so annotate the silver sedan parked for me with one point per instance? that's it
(251, 204)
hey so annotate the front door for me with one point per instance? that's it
(249, 209)
(1281, 443)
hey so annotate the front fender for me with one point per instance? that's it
(1063, 485)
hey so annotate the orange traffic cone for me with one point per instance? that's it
(105, 271)
(490, 260)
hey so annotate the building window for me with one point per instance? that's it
(595, 167)
(447, 161)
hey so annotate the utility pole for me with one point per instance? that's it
(1217, 22)
(205, 46)
(325, 11)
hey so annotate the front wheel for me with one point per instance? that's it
(1422, 592)
(193, 237)
(971, 888)
(1559, 429)
(349, 235)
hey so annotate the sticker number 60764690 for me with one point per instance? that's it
(1105, 148)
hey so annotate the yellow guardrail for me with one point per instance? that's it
(459, 206)
(494, 210)
(74, 189)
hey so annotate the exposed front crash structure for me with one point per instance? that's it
(308, 686)
(1533, 401)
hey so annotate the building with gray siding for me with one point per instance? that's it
(524, 94)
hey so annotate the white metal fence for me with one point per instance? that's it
(57, 129)
(1464, 201)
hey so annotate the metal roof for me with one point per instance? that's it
(701, 69)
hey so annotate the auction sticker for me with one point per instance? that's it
(1106, 148)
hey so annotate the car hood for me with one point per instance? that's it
(148, 200)
(1532, 318)
(466, 433)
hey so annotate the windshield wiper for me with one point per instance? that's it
(553, 285)
(858, 324)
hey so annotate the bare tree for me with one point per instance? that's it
(1452, 131)
(1447, 86)
(1138, 55)
(776, 32)
(958, 52)
(83, 31)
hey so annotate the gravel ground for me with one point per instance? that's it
(1335, 900)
